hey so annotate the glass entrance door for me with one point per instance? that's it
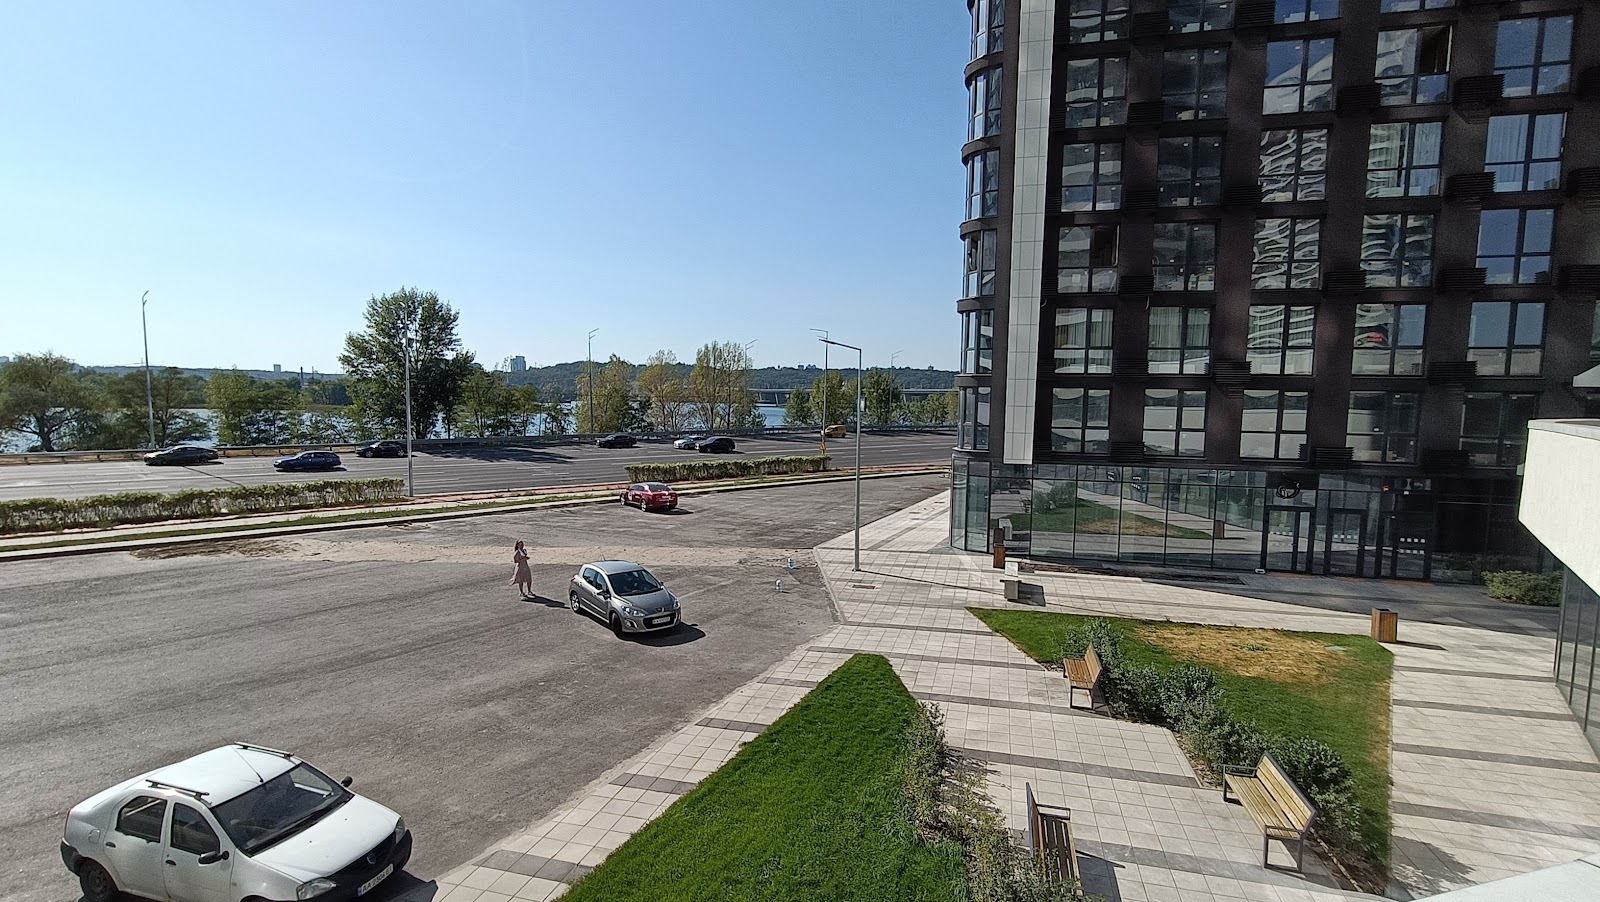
(1341, 541)
(1286, 542)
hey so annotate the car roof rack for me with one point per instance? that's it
(261, 748)
(176, 788)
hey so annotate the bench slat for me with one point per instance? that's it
(1284, 792)
(1259, 803)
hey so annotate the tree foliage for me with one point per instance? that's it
(719, 386)
(253, 413)
(798, 412)
(614, 408)
(665, 392)
(883, 399)
(41, 396)
(833, 399)
(374, 361)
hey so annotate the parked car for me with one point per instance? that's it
(308, 460)
(237, 822)
(719, 445)
(688, 442)
(625, 595)
(650, 496)
(834, 431)
(180, 455)
(616, 440)
(381, 449)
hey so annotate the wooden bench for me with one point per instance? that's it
(1050, 840)
(1082, 673)
(1275, 803)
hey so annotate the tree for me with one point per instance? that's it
(41, 396)
(525, 408)
(614, 408)
(665, 391)
(884, 400)
(488, 407)
(798, 412)
(830, 394)
(253, 413)
(553, 410)
(719, 385)
(374, 361)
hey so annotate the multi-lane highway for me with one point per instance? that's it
(463, 470)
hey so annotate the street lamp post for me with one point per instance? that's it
(149, 392)
(824, 413)
(859, 365)
(589, 359)
(411, 486)
(891, 359)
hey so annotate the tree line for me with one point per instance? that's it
(55, 406)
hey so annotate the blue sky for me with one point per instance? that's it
(667, 173)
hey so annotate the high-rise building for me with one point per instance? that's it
(519, 364)
(1274, 283)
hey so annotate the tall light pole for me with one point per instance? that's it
(825, 343)
(589, 357)
(149, 392)
(891, 359)
(411, 486)
(824, 413)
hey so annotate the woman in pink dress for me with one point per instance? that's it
(524, 577)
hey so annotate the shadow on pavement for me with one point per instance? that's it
(547, 602)
(490, 454)
(405, 887)
(683, 635)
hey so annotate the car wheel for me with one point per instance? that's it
(616, 625)
(96, 884)
(623, 498)
(572, 599)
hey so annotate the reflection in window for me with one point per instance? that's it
(983, 184)
(973, 419)
(1288, 253)
(1080, 420)
(1185, 256)
(1180, 340)
(977, 342)
(1506, 339)
(1091, 176)
(1189, 171)
(1411, 6)
(1388, 339)
(1098, 20)
(1514, 246)
(1286, 11)
(1403, 159)
(1525, 151)
(1194, 83)
(1382, 426)
(983, 103)
(142, 817)
(1299, 76)
(1097, 91)
(1535, 55)
(1086, 259)
(1175, 422)
(191, 833)
(1199, 15)
(1294, 164)
(1494, 426)
(1273, 424)
(1414, 64)
(1397, 249)
(1083, 341)
(988, 26)
(979, 280)
(1280, 340)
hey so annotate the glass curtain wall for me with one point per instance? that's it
(1578, 655)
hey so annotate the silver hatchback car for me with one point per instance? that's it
(625, 595)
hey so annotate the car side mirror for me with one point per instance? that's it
(605, 593)
(214, 856)
(347, 781)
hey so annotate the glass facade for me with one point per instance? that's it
(1578, 655)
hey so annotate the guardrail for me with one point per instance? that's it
(425, 445)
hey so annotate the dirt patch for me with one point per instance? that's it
(241, 547)
(1267, 654)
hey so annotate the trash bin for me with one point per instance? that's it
(997, 539)
(1385, 624)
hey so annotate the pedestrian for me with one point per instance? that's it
(524, 577)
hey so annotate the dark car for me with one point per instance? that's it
(308, 460)
(181, 455)
(650, 496)
(718, 445)
(616, 440)
(381, 449)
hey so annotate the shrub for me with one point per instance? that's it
(1522, 587)
(724, 468)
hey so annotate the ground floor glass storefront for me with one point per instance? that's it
(1578, 655)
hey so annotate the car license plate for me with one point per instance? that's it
(658, 621)
(387, 870)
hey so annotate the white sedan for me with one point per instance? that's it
(238, 822)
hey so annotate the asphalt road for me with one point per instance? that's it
(447, 472)
(400, 655)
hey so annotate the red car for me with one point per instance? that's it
(649, 496)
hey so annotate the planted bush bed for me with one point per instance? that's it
(724, 468)
(1318, 701)
(55, 514)
(1522, 587)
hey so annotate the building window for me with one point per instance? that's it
(1382, 426)
(1083, 341)
(1535, 55)
(1186, 256)
(1294, 164)
(1199, 15)
(1098, 20)
(1514, 245)
(1175, 422)
(973, 417)
(1525, 151)
(988, 27)
(1411, 6)
(1403, 159)
(1397, 249)
(1180, 340)
(1287, 11)
(1091, 176)
(1506, 339)
(1080, 420)
(1280, 339)
(1086, 259)
(1194, 83)
(983, 184)
(983, 96)
(1299, 76)
(979, 280)
(1097, 91)
(1388, 340)
(1288, 253)
(1273, 424)
(1414, 64)
(977, 342)
(1494, 427)
(1190, 171)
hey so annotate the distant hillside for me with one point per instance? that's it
(206, 372)
(564, 376)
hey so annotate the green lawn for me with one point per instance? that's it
(810, 809)
(1287, 682)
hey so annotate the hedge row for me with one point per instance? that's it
(102, 511)
(726, 468)
(1522, 587)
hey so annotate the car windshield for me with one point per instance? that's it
(279, 808)
(634, 582)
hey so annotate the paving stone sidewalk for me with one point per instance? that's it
(1491, 774)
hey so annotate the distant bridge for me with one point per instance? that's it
(778, 397)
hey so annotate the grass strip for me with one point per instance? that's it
(812, 809)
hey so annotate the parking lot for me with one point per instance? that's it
(399, 655)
